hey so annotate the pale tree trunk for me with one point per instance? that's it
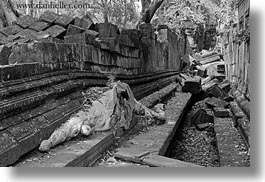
(125, 13)
(105, 10)
(9, 14)
(148, 9)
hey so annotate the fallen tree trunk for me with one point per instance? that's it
(111, 109)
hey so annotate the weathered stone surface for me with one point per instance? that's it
(201, 71)
(11, 30)
(211, 59)
(23, 40)
(4, 54)
(2, 35)
(56, 31)
(200, 116)
(25, 21)
(229, 98)
(203, 126)
(49, 16)
(107, 30)
(147, 33)
(28, 33)
(11, 72)
(3, 40)
(225, 86)
(220, 112)
(30, 69)
(72, 30)
(85, 22)
(216, 91)
(161, 161)
(236, 110)
(77, 21)
(192, 85)
(39, 25)
(82, 38)
(64, 21)
(7, 152)
(215, 102)
(92, 32)
(221, 68)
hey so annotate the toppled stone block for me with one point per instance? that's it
(220, 112)
(209, 84)
(56, 31)
(28, 33)
(39, 25)
(225, 86)
(25, 21)
(11, 30)
(221, 68)
(40, 35)
(49, 16)
(229, 98)
(92, 32)
(200, 116)
(4, 54)
(201, 71)
(203, 126)
(215, 102)
(192, 85)
(23, 40)
(107, 30)
(216, 91)
(86, 22)
(64, 21)
(72, 30)
(77, 21)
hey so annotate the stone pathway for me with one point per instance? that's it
(232, 151)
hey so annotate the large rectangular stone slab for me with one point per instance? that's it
(28, 33)
(56, 31)
(215, 102)
(25, 21)
(86, 22)
(161, 161)
(64, 21)
(49, 16)
(39, 25)
(72, 30)
(220, 112)
(11, 30)
(192, 85)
